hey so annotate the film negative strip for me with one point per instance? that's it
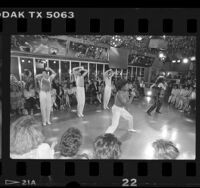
(99, 97)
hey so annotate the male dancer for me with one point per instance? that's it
(119, 108)
(107, 91)
(158, 89)
(45, 94)
(79, 74)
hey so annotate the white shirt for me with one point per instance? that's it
(108, 81)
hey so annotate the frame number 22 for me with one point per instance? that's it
(129, 182)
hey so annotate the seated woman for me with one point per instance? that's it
(27, 140)
(92, 92)
(71, 92)
(183, 97)
(16, 99)
(53, 99)
(70, 144)
(192, 102)
(107, 146)
(30, 100)
(60, 96)
(172, 97)
(179, 94)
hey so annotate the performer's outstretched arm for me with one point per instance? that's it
(53, 75)
(85, 72)
(75, 70)
(106, 73)
(38, 76)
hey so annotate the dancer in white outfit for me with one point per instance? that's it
(79, 74)
(108, 88)
(119, 108)
(45, 94)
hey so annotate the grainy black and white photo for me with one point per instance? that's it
(103, 97)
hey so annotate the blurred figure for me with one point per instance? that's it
(107, 147)
(158, 89)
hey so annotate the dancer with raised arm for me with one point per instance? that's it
(122, 100)
(79, 74)
(45, 81)
(108, 87)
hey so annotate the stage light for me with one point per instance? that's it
(193, 58)
(185, 60)
(174, 135)
(149, 151)
(139, 38)
(116, 41)
(164, 131)
(148, 99)
(149, 93)
(161, 55)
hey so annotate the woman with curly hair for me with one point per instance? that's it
(70, 144)
(164, 149)
(107, 147)
(26, 140)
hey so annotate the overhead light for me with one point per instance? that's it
(139, 38)
(54, 62)
(161, 55)
(149, 93)
(185, 60)
(29, 61)
(164, 36)
(179, 61)
(23, 61)
(174, 61)
(193, 58)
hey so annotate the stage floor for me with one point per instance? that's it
(171, 124)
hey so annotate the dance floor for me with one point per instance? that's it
(171, 124)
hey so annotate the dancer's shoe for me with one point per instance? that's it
(132, 130)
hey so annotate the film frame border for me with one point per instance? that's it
(183, 22)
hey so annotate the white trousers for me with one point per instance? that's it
(80, 94)
(107, 94)
(45, 106)
(117, 112)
